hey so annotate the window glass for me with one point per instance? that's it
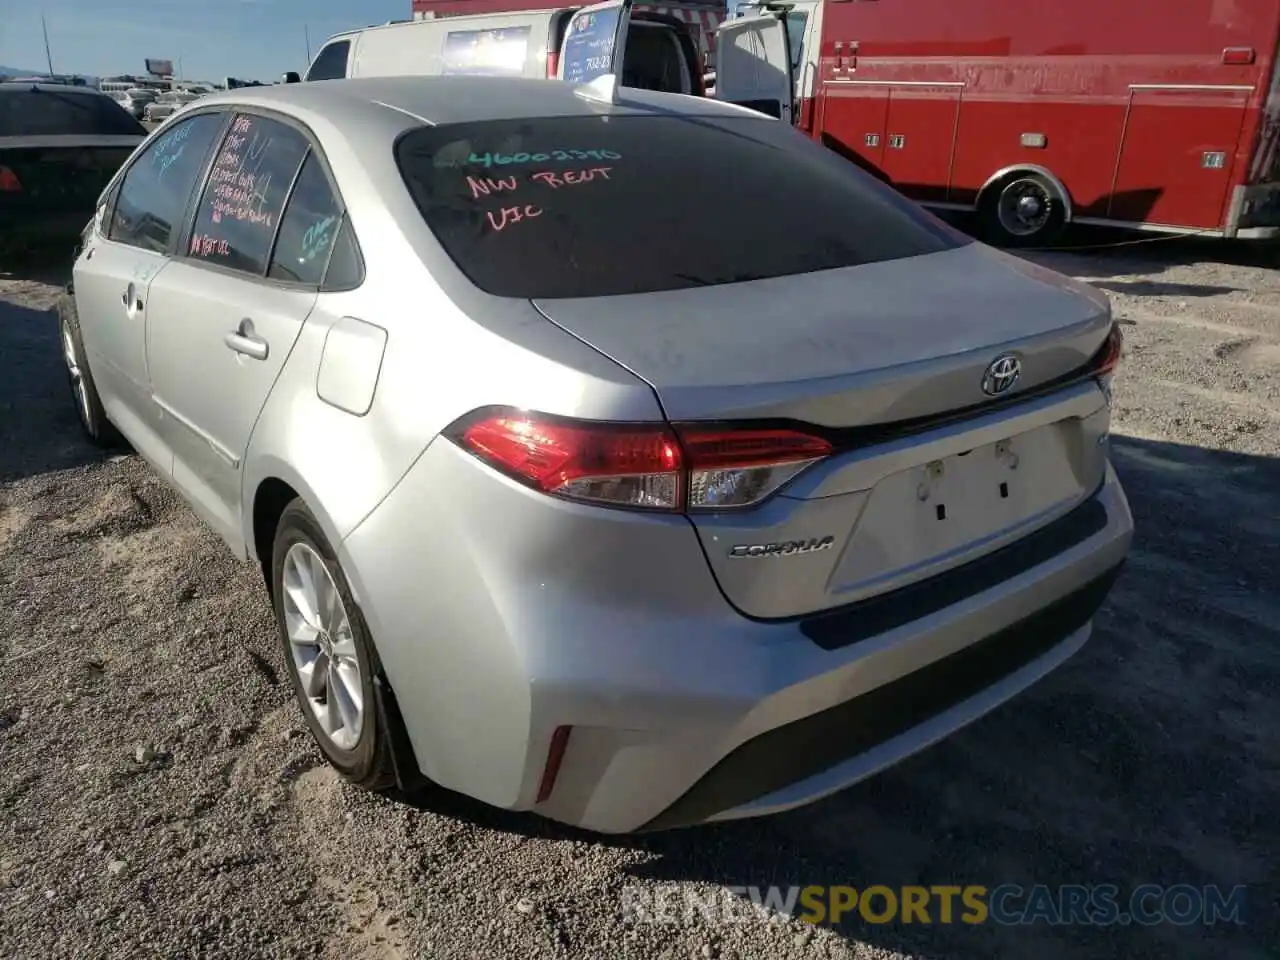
(600, 205)
(497, 53)
(654, 60)
(238, 214)
(308, 228)
(346, 268)
(331, 62)
(38, 111)
(796, 22)
(154, 194)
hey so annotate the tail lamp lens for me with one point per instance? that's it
(9, 182)
(649, 466)
(1107, 358)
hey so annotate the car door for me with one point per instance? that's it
(594, 41)
(222, 323)
(133, 235)
(754, 65)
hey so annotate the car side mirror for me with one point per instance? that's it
(291, 77)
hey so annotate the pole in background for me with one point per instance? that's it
(47, 55)
(307, 32)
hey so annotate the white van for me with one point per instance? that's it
(569, 43)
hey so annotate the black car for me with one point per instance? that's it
(59, 147)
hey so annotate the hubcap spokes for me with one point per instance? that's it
(322, 645)
(1024, 207)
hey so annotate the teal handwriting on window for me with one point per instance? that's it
(507, 159)
(318, 237)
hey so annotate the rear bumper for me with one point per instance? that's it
(502, 616)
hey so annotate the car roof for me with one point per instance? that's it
(14, 86)
(459, 99)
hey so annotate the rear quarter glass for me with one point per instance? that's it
(601, 206)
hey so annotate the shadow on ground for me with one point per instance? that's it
(1152, 757)
(39, 430)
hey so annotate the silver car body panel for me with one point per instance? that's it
(501, 614)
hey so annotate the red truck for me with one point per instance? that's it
(1137, 113)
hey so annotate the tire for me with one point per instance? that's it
(362, 752)
(84, 392)
(1023, 210)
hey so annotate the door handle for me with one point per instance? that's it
(244, 341)
(130, 302)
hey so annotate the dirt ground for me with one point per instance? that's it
(158, 796)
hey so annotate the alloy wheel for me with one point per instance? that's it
(75, 374)
(323, 646)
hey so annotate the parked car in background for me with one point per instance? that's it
(59, 147)
(134, 101)
(167, 104)
(571, 492)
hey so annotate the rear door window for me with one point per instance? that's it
(156, 189)
(331, 62)
(604, 205)
(27, 112)
(240, 209)
(311, 222)
(654, 60)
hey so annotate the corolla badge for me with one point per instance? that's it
(786, 548)
(1001, 374)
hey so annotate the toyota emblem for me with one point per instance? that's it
(1002, 373)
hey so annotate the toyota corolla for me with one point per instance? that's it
(629, 459)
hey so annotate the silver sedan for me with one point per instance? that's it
(637, 463)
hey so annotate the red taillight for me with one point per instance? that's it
(651, 466)
(555, 756)
(9, 182)
(553, 65)
(631, 465)
(1106, 359)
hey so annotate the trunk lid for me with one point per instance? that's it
(876, 343)
(853, 351)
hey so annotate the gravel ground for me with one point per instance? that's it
(158, 796)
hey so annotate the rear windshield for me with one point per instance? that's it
(607, 205)
(34, 113)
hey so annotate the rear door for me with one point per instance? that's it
(222, 321)
(125, 253)
(754, 65)
(594, 41)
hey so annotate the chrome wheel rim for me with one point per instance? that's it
(1024, 207)
(75, 374)
(322, 646)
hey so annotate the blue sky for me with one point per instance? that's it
(251, 39)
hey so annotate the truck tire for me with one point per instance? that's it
(1023, 210)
